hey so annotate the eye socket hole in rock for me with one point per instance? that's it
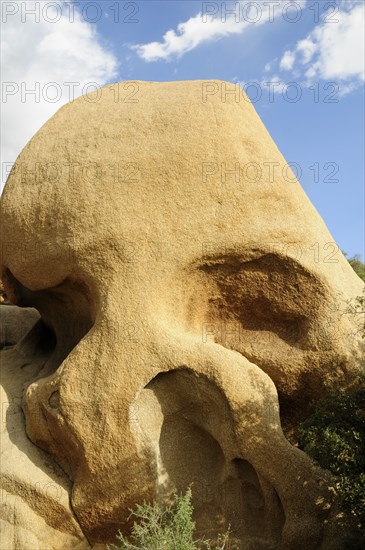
(66, 317)
(46, 340)
(269, 293)
(271, 309)
(185, 429)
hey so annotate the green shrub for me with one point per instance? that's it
(166, 528)
(357, 308)
(334, 436)
(357, 265)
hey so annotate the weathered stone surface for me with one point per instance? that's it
(35, 507)
(15, 322)
(3, 297)
(177, 301)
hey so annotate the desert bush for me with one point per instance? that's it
(357, 309)
(357, 265)
(334, 436)
(166, 528)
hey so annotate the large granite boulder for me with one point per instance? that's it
(186, 288)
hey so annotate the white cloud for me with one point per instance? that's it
(287, 61)
(205, 27)
(333, 50)
(340, 46)
(188, 36)
(307, 49)
(38, 53)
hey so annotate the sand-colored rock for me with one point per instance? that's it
(3, 297)
(182, 299)
(35, 508)
(15, 322)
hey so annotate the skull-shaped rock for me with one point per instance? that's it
(185, 282)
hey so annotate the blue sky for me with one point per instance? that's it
(310, 48)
